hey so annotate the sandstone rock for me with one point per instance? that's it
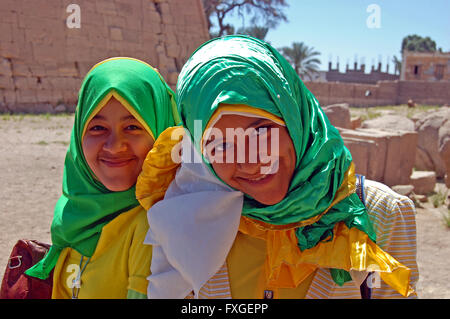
(368, 152)
(390, 122)
(356, 122)
(43, 108)
(423, 181)
(362, 151)
(430, 137)
(60, 108)
(444, 149)
(390, 160)
(339, 115)
(404, 190)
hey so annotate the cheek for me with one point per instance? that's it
(91, 148)
(141, 146)
(225, 171)
(287, 152)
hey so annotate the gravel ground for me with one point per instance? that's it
(31, 165)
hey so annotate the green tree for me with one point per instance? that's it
(302, 58)
(254, 31)
(217, 10)
(417, 43)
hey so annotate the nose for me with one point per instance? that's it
(115, 143)
(248, 161)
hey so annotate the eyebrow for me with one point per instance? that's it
(255, 123)
(124, 118)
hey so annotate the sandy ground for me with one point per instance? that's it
(31, 165)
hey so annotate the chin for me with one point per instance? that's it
(118, 188)
(269, 199)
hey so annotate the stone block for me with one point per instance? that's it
(106, 7)
(339, 115)
(6, 32)
(355, 122)
(362, 151)
(376, 159)
(429, 128)
(26, 96)
(423, 182)
(6, 82)
(68, 69)
(20, 68)
(390, 122)
(115, 33)
(5, 67)
(48, 53)
(404, 190)
(9, 96)
(45, 96)
(23, 83)
(394, 158)
(400, 158)
(40, 108)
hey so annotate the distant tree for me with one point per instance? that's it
(302, 58)
(417, 43)
(254, 31)
(269, 10)
(397, 64)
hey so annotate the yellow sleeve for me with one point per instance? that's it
(140, 256)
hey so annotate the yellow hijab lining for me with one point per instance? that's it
(125, 103)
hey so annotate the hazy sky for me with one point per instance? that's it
(339, 28)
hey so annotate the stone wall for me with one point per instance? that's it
(359, 75)
(43, 61)
(382, 93)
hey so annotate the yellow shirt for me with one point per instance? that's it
(246, 261)
(121, 261)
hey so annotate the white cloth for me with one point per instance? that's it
(192, 229)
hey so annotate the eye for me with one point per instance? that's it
(97, 128)
(133, 127)
(261, 130)
(223, 147)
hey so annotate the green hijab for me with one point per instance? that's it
(86, 205)
(244, 70)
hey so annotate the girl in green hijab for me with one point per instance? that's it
(98, 225)
(291, 226)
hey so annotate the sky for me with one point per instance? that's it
(369, 30)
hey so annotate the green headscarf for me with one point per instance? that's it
(86, 205)
(244, 70)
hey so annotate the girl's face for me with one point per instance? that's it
(262, 159)
(115, 145)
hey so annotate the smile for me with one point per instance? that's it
(264, 178)
(116, 162)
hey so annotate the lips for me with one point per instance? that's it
(116, 162)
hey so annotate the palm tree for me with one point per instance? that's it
(302, 58)
(397, 64)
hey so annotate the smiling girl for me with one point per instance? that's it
(98, 225)
(289, 227)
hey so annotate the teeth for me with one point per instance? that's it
(272, 169)
(259, 178)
